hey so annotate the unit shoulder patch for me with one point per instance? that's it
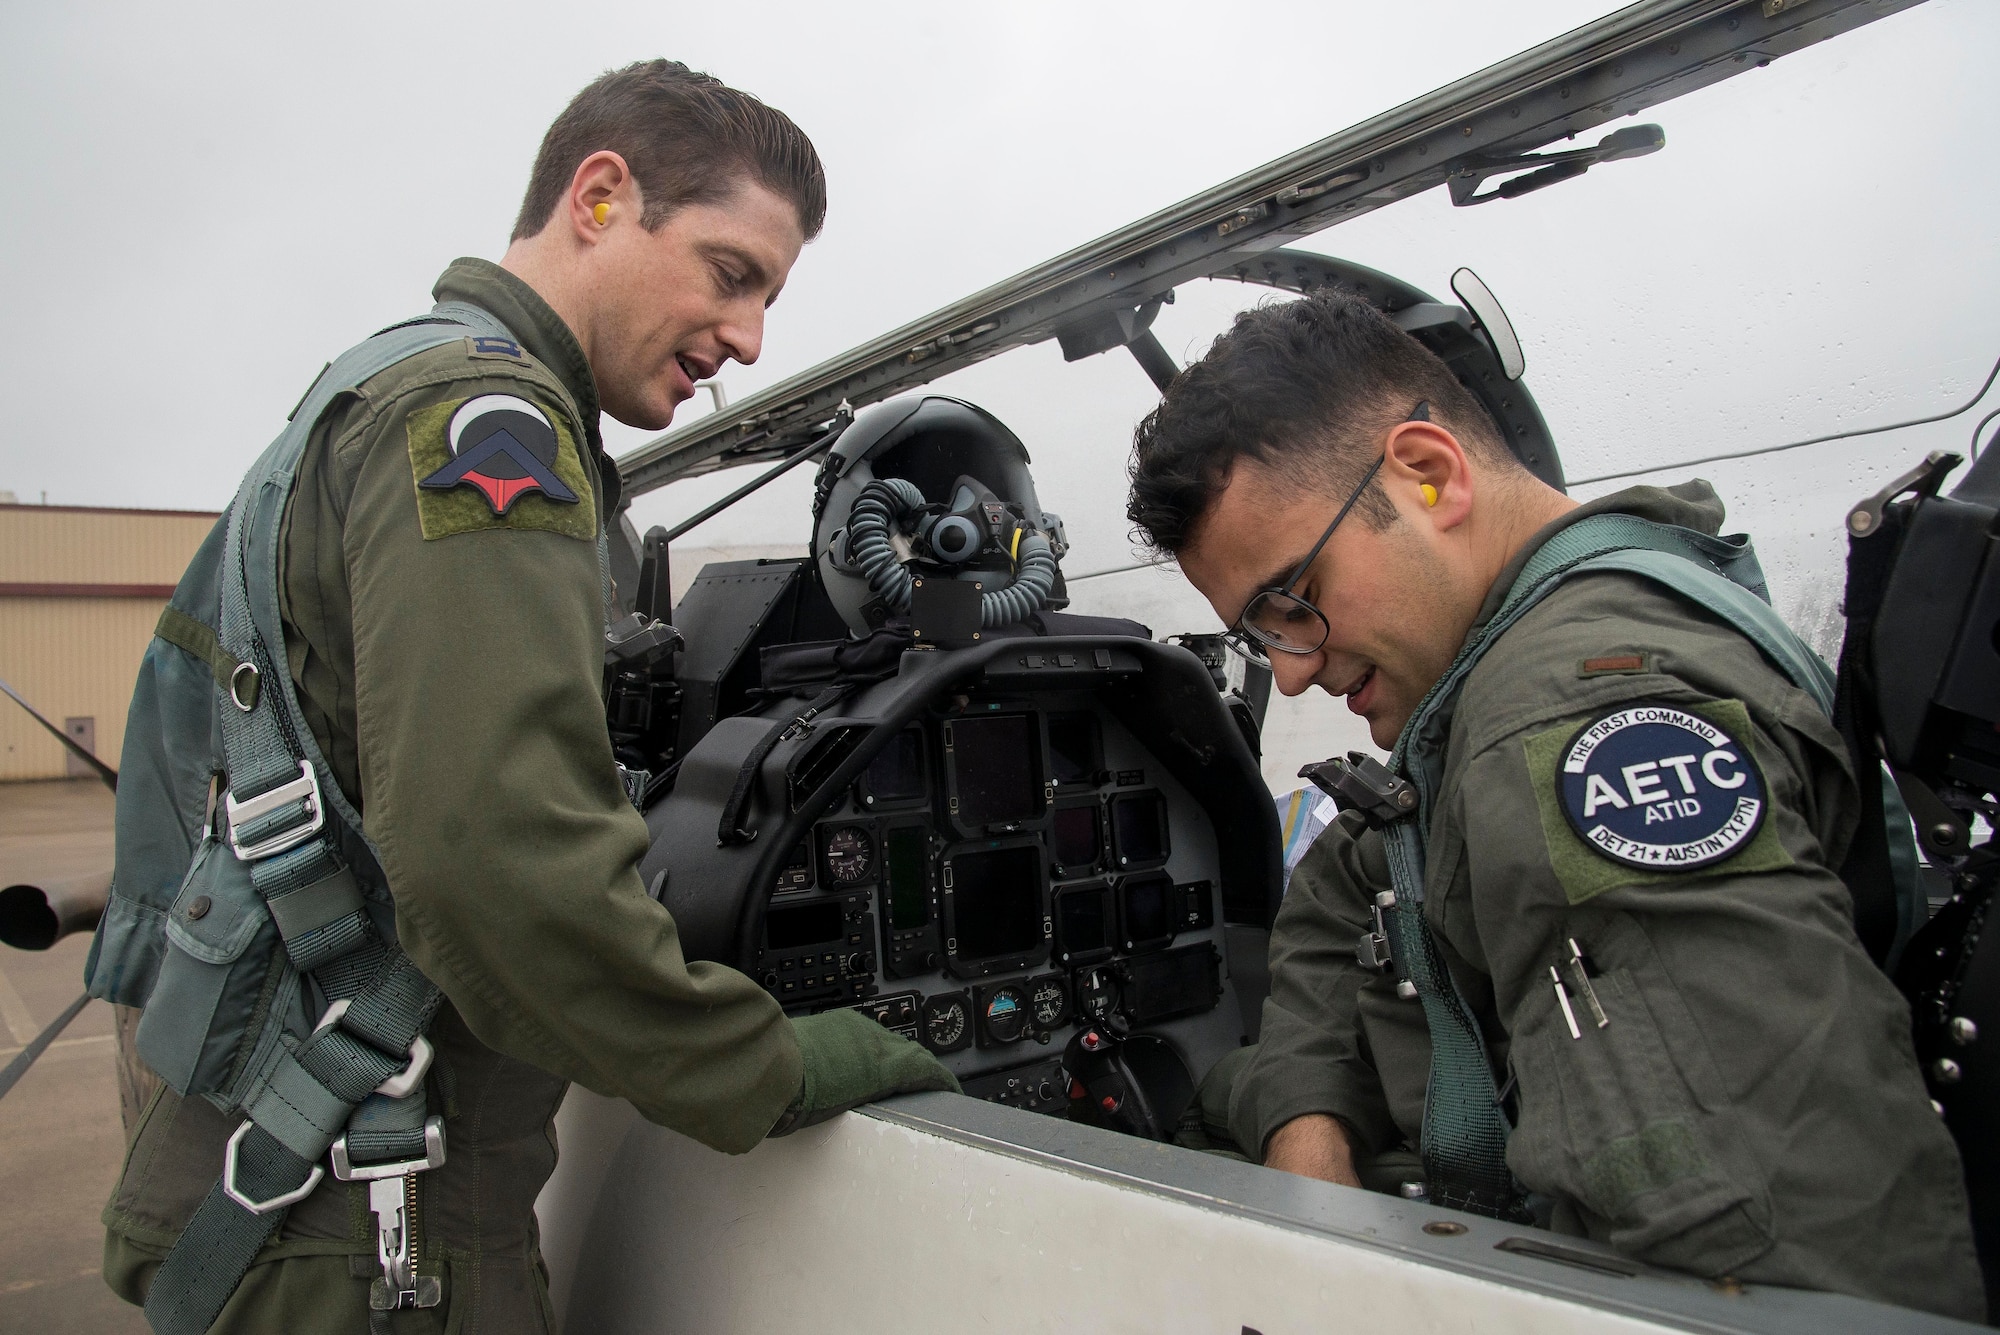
(498, 461)
(1651, 791)
(1653, 786)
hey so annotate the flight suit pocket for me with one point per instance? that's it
(1630, 1146)
(125, 956)
(219, 950)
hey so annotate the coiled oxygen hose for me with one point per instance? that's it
(1028, 592)
(877, 510)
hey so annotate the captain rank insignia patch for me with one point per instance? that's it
(1650, 792)
(497, 461)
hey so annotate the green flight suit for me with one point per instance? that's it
(449, 661)
(1753, 1108)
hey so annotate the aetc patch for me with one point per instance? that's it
(1656, 787)
(503, 447)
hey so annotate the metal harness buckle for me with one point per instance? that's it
(392, 1186)
(392, 1199)
(1372, 951)
(306, 787)
(278, 1202)
(347, 1170)
(404, 1082)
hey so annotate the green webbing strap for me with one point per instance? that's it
(384, 1129)
(1464, 1134)
(303, 1093)
(1747, 614)
(1465, 1129)
(183, 631)
(186, 1298)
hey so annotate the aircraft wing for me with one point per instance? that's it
(1486, 127)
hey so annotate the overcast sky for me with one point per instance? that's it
(207, 201)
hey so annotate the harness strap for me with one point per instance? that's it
(1881, 868)
(189, 1293)
(284, 814)
(183, 631)
(1465, 1128)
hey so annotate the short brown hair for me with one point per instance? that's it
(1308, 385)
(688, 137)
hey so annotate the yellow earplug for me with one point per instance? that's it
(1430, 493)
(602, 213)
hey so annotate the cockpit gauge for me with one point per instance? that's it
(1096, 994)
(1003, 1013)
(849, 854)
(1048, 1001)
(947, 1022)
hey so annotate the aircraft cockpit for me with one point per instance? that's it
(901, 778)
(895, 774)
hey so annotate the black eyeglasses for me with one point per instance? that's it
(1278, 618)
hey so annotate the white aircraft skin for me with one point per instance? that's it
(1812, 254)
(935, 1213)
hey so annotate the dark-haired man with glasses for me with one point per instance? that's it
(1604, 977)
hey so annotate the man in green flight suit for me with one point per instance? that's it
(1702, 1066)
(444, 623)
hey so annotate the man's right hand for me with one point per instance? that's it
(1314, 1145)
(851, 1060)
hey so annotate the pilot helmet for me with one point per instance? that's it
(930, 487)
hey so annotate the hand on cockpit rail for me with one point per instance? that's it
(851, 1060)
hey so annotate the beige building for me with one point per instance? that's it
(80, 589)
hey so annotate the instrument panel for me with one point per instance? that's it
(1000, 873)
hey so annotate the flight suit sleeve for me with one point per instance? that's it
(1311, 1056)
(508, 842)
(1734, 1001)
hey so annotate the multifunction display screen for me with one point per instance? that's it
(1074, 838)
(1149, 903)
(1075, 753)
(1083, 922)
(909, 888)
(1139, 828)
(996, 777)
(997, 902)
(897, 772)
(803, 925)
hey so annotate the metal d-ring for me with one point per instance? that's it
(278, 1202)
(236, 686)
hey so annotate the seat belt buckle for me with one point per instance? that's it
(304, 789)
(278, 1202)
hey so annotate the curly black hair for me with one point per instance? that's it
(1309, 385)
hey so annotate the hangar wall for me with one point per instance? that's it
(80, 590)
